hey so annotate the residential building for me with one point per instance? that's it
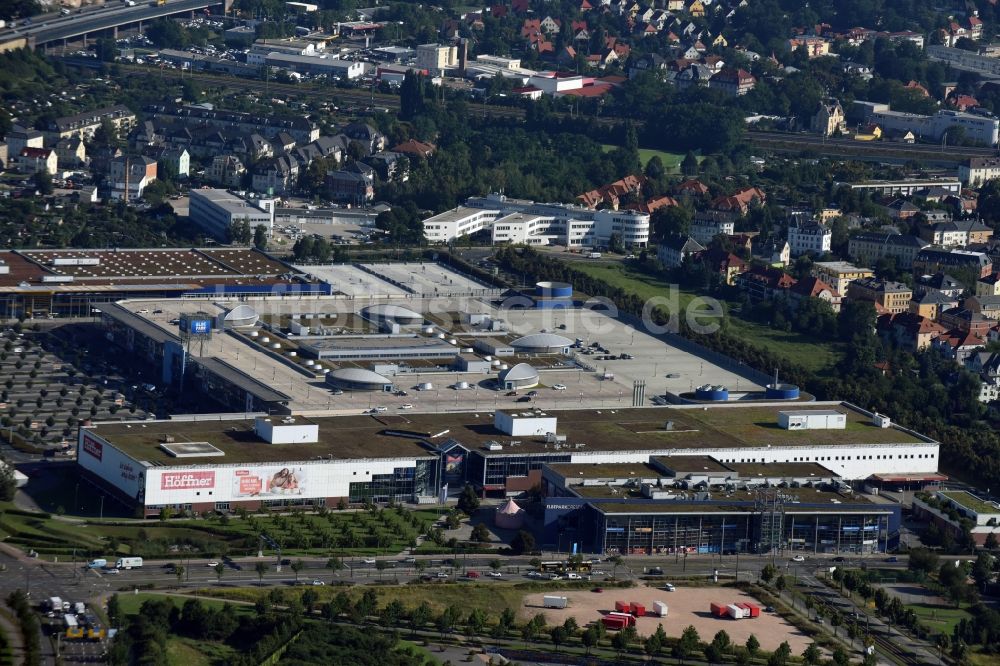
(352, 187)
(724, 264)
(894, 297)
(277, 175)
(989, 285)
(870, 246)
(216, 211)
(909, 331)
(733, 81)
(813, 287)
(225, 170)
(982, 129)
(931, 304)
(838, 274)
(939, 282)
(301, 128)
(370, 138)
(829, 118)
(19, 138)
(988, 306)
(707, 224)
(815, 47)
(764, 282)
(809, 237)
(673, 250)
(436, 58)
(963, 319)
(956, 233)
(975, 171)
(773, 252)
(129, 175)
(932, 260)
(33, 160)
(71, 152)
(84, 125)
(958, 345)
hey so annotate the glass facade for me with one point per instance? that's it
(492, 471)
(751, 532)
(398, 486)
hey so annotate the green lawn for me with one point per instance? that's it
(940, 619)
(671, 161)
(130, 603)
(348, 532)
(796, 347)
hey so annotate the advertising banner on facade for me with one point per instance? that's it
(187, 480)
(269, 482)
(93, 447)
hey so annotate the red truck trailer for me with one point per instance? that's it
(623, 606)
(719, 610)
(753, 608)
(614, 622)
(637, 609)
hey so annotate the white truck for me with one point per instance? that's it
(79, 608)
(54, 604)
(593, 255)
(660, 609)
(736, 612)
(552, 601)
(98, 563)
(128, 563)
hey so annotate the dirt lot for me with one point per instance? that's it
(688, 606)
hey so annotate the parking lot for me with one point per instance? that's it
(429, 279)
(352, 281)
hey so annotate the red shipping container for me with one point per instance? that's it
(754, 610)
(616, 623)
(638, 609)
(625, 617)
(623, 606)
(718, 610)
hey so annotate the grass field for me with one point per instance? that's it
(671, 161)
(798, 348)
(349, 532)
(940, 619)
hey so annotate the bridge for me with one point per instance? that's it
(53, 28)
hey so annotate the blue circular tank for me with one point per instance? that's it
(713, 393)
(781, 392)
(553, 290)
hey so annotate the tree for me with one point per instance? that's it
(922, 561)
(380, 566)
(220, 569)
(468, 501)
(840, 657)
(261, 568)
(811, 655)
(689, 165)
(240, 232)
(481, 533)
(260, 237)
(767, 573)
(722, 641)
(420, 616)
(752, 645)
(8, 484)
(991, 541)
(42, 180)
(522, 543)
(334, 564)
(687, 643)
(779, 584)
(558, 636)
(615, 561)
(671, 220)
(589, 638)
(179, 572)
(297, 566)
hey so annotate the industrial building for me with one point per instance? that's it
(198, 464)
(216, 211)
(980, 128)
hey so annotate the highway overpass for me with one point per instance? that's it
(90, 21)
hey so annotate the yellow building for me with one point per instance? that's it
(838, 274)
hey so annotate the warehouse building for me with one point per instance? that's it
(216, 211)
(412, 457)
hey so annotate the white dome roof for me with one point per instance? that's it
(242, 315)
(389, 311)
(358, 376)
(518, 373)
(542, 341)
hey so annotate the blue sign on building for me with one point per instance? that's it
(200, 326)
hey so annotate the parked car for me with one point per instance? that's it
(559, 387)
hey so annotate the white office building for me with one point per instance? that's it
(530, 223)
(982, 128)
(216, 211)
(809, 236)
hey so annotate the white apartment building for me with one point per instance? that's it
(809, 237)
(530, 223)
(216, 211)
(975, 171)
